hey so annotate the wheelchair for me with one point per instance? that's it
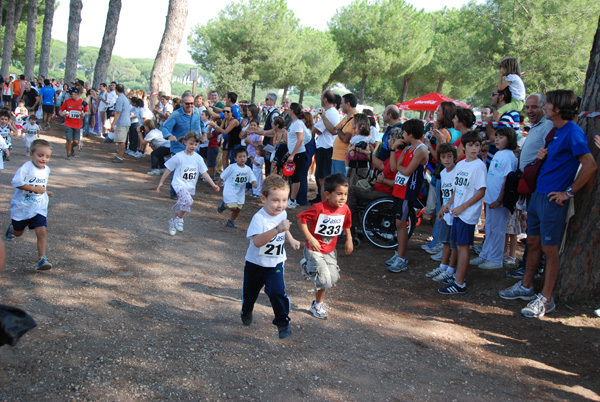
(376, 221)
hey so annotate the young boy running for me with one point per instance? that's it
(73, 110)
(447, 154)
(321, 225)
(469, 189)
(266, 256)
(29, 204)
(235, 178)
(409, 163)
(6, 130)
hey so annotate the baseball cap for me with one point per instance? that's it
(288, 168)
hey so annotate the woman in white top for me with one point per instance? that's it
(297, 152)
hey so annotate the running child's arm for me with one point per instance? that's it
(162, 179)
(254, 162)
(476, 198)
(254, 184)
(210, 181)
(293, 242)
(420, 158)
(349, 246)
(312, 242)
(263, 238)
(13, 128)
(498, 202)
(33, 189)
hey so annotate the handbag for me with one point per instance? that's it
(531, 171)
(14, 323)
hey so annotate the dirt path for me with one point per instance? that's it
(131, 313)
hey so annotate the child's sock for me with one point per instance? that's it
(444, 267)
(451, 270)
(318, 305)
(461, 286)
(524, 288)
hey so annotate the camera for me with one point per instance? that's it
(361, 145)
(431, 138)
(142, 129)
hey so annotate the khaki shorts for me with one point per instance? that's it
(232, 205)
(322, 269)
(121, 133)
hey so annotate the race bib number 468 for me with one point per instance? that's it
(329, 225)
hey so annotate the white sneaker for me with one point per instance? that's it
(442, 276)
(434, 250)
(477, 261)
(438, 256)
(435, 272)
(172, 229)
(490, 265)
(179, 224)
(291, 204)
(138, 154)
(129, 152)
(318, 312)
(155, 172)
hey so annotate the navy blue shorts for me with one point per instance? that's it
(402, 208)
(462, 233)
(211, 156)
(32, 223)
(546, 219)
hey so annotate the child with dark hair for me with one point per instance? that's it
(465, 207)
(258, 163)
(496, 215)
(186, 166)
(321, 224)
(31, 131)
(408, 160)
(6, 129)
(509, 75)
(361, 144)
(235, 178)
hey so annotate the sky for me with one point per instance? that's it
(142, 23)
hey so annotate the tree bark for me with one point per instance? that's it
(285, 90)
(32, 13)
(108, 42)
(73, 41)
(440, 84)
(13, 16)
(579, 276)
(253, 92)
(1, 10)
(363, 83)
(301, 97)
(407, 80)
(46, 37)
(162, 71)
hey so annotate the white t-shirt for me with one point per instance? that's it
(111, 98)
(325, 139)
(25, 204)
(362, 138)
(295, 128)
(503, 163)
(469, 178)
(102, 105)
(134, 114)
(156, 137)
(234, 183)
(31, 129)
(375, 134)
(446, 191)
(517, 87)
(273, 252)
(186, 169)
(258, 169)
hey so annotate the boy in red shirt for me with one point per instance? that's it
(73, 110)
(321, 225)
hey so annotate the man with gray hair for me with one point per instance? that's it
(391, 117)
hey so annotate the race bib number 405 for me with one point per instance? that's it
(329, 225)
(274, 248)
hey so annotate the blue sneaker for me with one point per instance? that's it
(391, 260)
(453, 289)
(221, 207)
(398, 266)
(43, 264)
(9, 234)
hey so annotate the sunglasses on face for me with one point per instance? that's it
(189, 103)
(226, 111)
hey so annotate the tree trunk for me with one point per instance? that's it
(284, 94)
(407, 80)
(363, 83)
(1, 11)
(46, 36)
(440, 84)
(108, 42)
(253, 93)
(32, 13)
(162, 71)
(13, 16)
(301, 97)
(579, 276)
(73, 41)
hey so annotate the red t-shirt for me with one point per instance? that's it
(389, 175)
(74, 110)
(214, 141)
(325, 222)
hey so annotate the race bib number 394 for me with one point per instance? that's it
(462, 178)
(329, 225)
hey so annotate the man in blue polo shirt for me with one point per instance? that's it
(547, 210)
(48, 95)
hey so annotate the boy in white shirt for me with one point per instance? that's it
(447, 155)
(32, 132)
(29, 204)
(235, 178)
(6, 130)
(257, 168)
(266, 255)
(469, 189)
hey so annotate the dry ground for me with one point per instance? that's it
(131, 313)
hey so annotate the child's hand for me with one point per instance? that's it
(495, 204)
(352, 153)
(597, 140)
(349, 246)
(216, 188)
(254, 184)
(49, 193)
(284, 226)
(440, 215)
(314, 244)
(397, 143)
(295, 244)
(458, 210)
(7, 153)
(158, 187)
